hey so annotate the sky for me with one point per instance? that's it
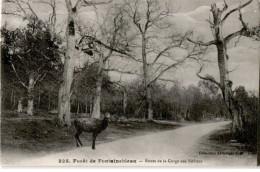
(190, 15)
(244, 56)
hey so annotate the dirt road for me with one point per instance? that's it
(169, 148)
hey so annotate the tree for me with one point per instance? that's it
(68, 71)
(107, 40)
(31, 55)
(221, 42)
(123, 90)
(158, 41)
(250, 103)
(83, 88)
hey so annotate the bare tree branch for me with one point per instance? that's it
(124, 72)
(168, 80)
(225, 6)
(236, 9)
(18, 76)
(233, 35)
(31, 9)
(123, 52)
(21, 8)
(39, 78)
(163, 51)
(174, 65)
(233, 69)
(208, 78)
(242, 32)
(9, 13)
(202, 43)
(52, 16)
(92, 3)
(77, 6)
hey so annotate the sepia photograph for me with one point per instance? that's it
(130, 83)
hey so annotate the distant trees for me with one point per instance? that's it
(84, 89)
(31, 55)
(176, 103)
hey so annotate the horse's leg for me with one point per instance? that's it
(80, 141)
(94, 140)
(77, 137)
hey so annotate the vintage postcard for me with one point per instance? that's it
(130, 83)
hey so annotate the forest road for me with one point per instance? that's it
(167, 148)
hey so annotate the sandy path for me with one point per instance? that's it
(168, 148)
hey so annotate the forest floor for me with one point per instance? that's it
(24, 136)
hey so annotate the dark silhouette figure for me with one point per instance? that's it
(90, 125)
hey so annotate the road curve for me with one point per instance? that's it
(168, 148)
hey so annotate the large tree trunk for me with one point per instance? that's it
(96, 107)
(148, 99)
(30, 95)
(68, 71)
(60, 104)
(149, 103)
(223, 71)
(225, 84)
(68, 79)
(65, 91)
(226, 87)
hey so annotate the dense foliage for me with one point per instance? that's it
(28, 53)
